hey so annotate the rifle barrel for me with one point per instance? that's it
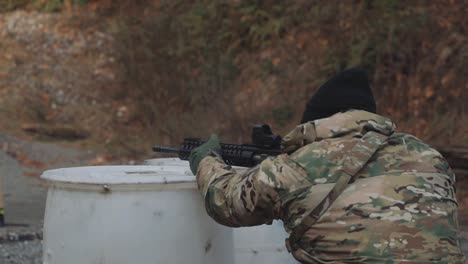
(165, 149)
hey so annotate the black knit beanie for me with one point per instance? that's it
(347, 90)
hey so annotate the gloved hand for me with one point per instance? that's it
(300, 136)
(197, 154)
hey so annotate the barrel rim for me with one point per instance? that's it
(120, 175)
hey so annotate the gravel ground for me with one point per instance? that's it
(30, 252)
(20, 244)
(21, 252)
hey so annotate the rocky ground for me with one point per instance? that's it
(21, 252)
(21, 244)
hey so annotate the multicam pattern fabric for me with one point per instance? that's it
(401, 208)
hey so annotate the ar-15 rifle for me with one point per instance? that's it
(264, 144)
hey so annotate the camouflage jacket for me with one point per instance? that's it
(400, 208)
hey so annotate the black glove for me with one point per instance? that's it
(197, 154)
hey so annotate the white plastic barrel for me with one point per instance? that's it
(252, 245)
(129, 214)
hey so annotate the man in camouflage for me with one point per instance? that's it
(399, 205)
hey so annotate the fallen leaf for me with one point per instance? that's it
(33, 164)
(429, 92)
(30, 174)
(276, 61)
(100, 160)
(447, 78)
(5, 147)
(22, 158)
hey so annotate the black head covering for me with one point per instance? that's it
(347, 90)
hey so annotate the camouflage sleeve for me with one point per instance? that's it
(242, 199)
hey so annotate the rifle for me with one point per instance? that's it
(264, 144)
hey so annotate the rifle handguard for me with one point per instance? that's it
(265, 144)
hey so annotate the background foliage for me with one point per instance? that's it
(195, 58)
(193, 67)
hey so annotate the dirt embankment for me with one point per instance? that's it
(58, 74)
(119, 78)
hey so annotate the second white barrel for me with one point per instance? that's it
(252, 245)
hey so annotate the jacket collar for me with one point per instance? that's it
(352, 123)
